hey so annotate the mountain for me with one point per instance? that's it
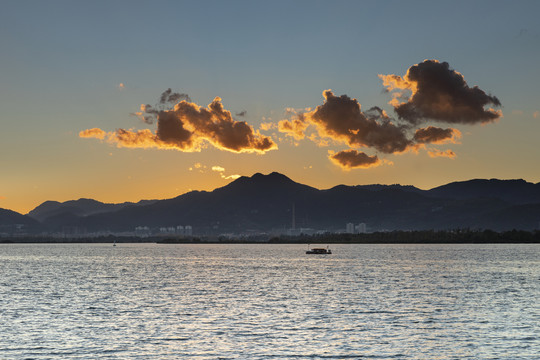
(13, 222)
(81, 207)
(513, 191)
(266, 202)
(260, 201)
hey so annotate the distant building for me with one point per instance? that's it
(361, 228)
(180, 230)
(188, 230)
(142, 231)
(355, 229)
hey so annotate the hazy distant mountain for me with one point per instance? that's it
(79, 208)
(265, 202)
(247, 203)
(512, 191)
(12, 217)
(10, 221)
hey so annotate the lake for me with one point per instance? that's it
(265, 301)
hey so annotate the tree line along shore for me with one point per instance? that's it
(390, 237)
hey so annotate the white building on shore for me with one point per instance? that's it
(351, 228)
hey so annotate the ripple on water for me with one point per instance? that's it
(79, 301)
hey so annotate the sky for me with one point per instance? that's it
(129, 100)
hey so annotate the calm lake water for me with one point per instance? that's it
(150, 301)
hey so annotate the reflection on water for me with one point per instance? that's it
(80, 301)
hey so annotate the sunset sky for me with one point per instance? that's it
(326, 92)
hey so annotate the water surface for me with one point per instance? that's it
(142, 301)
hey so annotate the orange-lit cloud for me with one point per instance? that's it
(352, 159)
(198, 166)
(93, 133)
(266, 126)
(129, 138)
(295, 127)
(441, 94)
(340, 118)
(137, 139)
(187, 126)
(221, 171)
(439, 153)
(429, 91)
(536, 114)
(318, 140)
(435, 135)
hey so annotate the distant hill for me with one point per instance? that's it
(11, 221)
(80, 208)
(265, 203)
(512, 191)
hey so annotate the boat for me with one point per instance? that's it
(325, 250)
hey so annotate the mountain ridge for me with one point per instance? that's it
(264, 203)
(80, 207)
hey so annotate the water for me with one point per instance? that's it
(149, 301)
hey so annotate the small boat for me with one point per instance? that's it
(325, 250)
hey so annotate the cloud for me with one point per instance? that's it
(221, 171)
(265, 126)
(188, 127)
(93, 133)
(146, 114)
(149, 113)
(198, 166)
(318, 140)
(536, 114)
(439, 93)
(130, 138)
(428, 92)
(435, 135)
(340, 118)
(295, 127)
(352, 159)
(170, 97)
(439, 153)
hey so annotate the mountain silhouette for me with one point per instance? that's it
(264, 203)
(513, 191)
(13, 222)
(81, 207)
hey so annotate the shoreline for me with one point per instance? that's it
(393, 237)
